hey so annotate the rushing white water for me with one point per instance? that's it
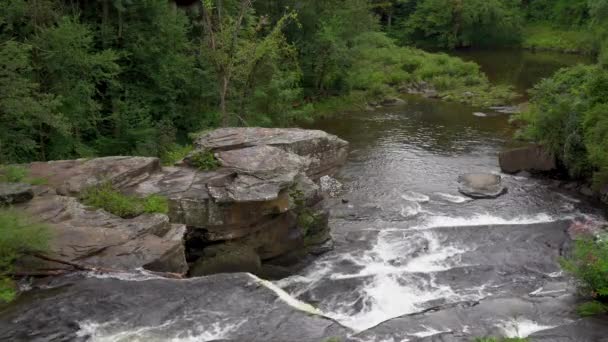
(521, 327)
(484, 219)
(399, 271)
(116, 332)
(415, 197)
(453, 198)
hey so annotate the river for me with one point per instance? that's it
(414, 260)
(407, 241)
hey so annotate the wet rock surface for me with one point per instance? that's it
(230, 307)
(481, 185)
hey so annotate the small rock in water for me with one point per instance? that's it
(345, 201)
(330, 185)
(480, 114)
(481, 185)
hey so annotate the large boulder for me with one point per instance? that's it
(481, 185)
(326, 153)
(95, 238)
(534, 158)
(256, 199)
(14, 193)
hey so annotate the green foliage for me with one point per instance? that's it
(589, 264)
(19, 235)
(175, 154)
(544, 36)
(592, 308)
(155, 204)
(12, 174)
(204, 160)
(381, 66)
(333, 339)
(449, 24)
(567, 114)
(19, 174)
(107, 198)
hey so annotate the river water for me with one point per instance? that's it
(413, 260)
(407, 241)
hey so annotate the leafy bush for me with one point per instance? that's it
(591, 309)
(18, 235)
(568, 115)
(589, 264)
(204, 160)
(175, 154)
(380, 67)
(12, 174)
(112, 201)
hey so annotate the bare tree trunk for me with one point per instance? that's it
(223, 92)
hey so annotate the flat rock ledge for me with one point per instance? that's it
(260, 211)
(481, 185)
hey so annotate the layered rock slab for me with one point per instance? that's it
(326, 153)
(95, 238)
(261, 201)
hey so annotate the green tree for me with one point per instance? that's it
(71, 69)
(457, 23)
(26, 113)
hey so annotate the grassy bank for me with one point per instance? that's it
(382, 69)
(545, 37)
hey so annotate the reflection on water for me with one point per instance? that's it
(520, 68)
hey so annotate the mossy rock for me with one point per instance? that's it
(312, 221)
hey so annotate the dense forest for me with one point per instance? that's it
(87, 78)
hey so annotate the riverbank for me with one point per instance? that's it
(385, 71)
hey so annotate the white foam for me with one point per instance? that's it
(386, 298)
(116, 332)
(139, 274)
(453, 198)
(428, 332)
(522, 327)
(539, 292)
(415, 196)
(483, 220)
(390, 292)
(410, 209)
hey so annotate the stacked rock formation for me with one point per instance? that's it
(260, 210)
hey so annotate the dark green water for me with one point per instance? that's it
(520, 68)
